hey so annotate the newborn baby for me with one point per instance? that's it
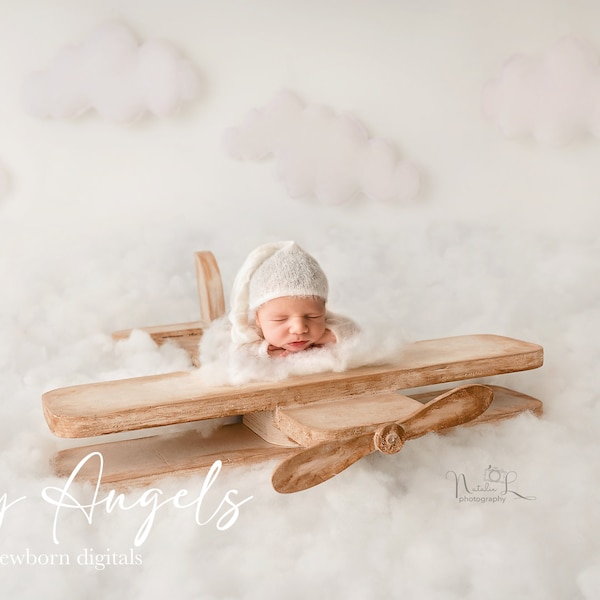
(279, 324)
(278, 304)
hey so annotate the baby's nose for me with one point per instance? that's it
(298, 325)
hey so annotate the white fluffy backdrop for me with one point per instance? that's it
(97, 232)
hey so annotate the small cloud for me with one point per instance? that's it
(554, 97)
(113, 74)
(323, 154)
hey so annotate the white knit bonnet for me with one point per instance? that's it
(272, 271)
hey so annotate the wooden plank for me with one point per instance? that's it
(212, 306)
(263, 424)
(352, 417)
(108, 407)
(141, 461)
(210, 287)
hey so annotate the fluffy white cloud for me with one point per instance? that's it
(113, 74)
(321, 153)
(554, 97)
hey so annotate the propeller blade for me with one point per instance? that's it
(455, 407)
(321, 462)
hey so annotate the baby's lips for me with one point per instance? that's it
(298, 344)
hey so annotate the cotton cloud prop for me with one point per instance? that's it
(113, 74)
(554, 97)
(321, 153)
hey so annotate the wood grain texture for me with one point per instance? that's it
(263, 424)
(322, 421)
(319, 463)
(312, 423)
(137, 403)
(142, 461)
(210, 287)
(323, 461)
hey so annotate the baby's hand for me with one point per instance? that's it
(328, 337)
(275, 351)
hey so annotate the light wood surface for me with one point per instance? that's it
(210, 287)
(361, 407)
(212, 306)
(391, 406)
(323, 421)
(112, 406)
(342, 448)
(263, 424)
(311, 423)
(142, 461)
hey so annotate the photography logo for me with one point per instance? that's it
(495, 475)
(495, 487)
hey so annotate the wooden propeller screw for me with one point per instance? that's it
(390, 438)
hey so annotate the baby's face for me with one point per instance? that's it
(292, 323)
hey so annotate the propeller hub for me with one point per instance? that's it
(390, 438)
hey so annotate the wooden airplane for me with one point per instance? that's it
(317, 424)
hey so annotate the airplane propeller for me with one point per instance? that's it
(319, 463)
